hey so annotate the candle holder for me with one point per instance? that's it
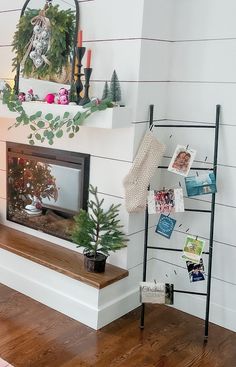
(87, 74)
(80, 51)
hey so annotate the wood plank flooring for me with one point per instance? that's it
(32, 335)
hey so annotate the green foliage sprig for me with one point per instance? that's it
(61, 42)
(48, 127)
(98, 230)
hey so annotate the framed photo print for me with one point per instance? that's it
(182, 160)
(165, 201)
(193, 248)
(153, 292)
(165, 226)
(201, 185)
(195, 271)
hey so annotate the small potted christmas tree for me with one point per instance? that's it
(98, 231)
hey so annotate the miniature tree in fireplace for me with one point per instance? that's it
(29, 180)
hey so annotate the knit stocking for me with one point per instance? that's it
(137, 180)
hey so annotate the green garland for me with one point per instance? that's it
(61, 42)
(48, 127)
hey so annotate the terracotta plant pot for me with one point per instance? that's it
(95, 265)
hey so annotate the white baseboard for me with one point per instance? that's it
(88, 305)
(118, 307)
(219, 314)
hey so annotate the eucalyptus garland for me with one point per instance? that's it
(48, 127)
(62, 24)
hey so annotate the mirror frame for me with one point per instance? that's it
(17, 76)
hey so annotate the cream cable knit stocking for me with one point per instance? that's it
(137, 180)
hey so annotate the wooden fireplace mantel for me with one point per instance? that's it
(55, 257)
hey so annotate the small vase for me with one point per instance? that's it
(35, 207)
(95, 264)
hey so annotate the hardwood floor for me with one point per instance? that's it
(32, 335)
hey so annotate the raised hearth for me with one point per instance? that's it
(60, 259)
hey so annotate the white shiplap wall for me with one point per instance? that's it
(112, 151)
(180, 56)
(201, 75)
(114, 33)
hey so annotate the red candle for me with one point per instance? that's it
(80, 39)
(88, 63)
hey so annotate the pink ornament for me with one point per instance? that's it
(63, 92)
(63, 100)
(97, 101)
(30, 91)
(49, 98)
(21, 96)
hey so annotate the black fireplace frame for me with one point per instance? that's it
(54, 156)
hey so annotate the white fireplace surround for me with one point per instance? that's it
(112, 151)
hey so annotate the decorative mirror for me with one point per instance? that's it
(45, 45)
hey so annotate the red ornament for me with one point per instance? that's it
(50, 98)
(38, 205)
(21, 161)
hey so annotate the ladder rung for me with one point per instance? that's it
(171, 249)
(192, 168)
(189, 292)
(198, 210)
(190, 126)
(164, 248)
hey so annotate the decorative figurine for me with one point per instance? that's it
(21, 96)
(63, 96)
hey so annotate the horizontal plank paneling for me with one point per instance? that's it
(6, 63)
(199, 58)
(203, 141)
(102, 21)
(152, 66)
(202, 75)
(204, 19)
(150, 93)
(8, 23)
(12, 4)
(157, 19)
(108, 175)
(124, 56)
(196, 102)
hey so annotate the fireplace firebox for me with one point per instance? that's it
(46, 187)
